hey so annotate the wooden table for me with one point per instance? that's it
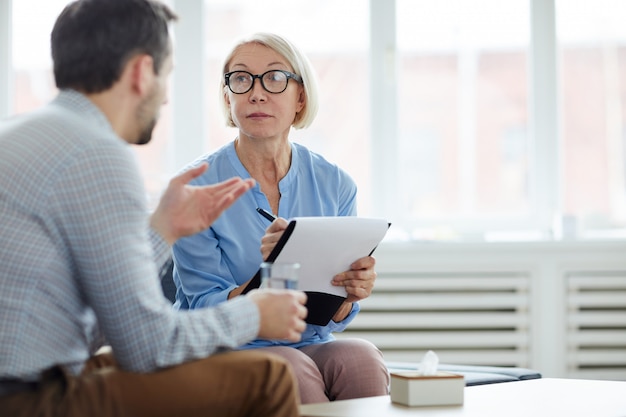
(532, 398)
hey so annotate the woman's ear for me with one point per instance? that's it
(301, 100)
(229, 117)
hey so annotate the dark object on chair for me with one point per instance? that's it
(167, 282)
(475, 374)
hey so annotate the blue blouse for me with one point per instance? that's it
(209, 265)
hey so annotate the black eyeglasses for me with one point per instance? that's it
(273, 81)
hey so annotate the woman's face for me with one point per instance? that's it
(258, 113)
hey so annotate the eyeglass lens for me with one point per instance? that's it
(273, 81)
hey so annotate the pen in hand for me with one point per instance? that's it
(269, 216)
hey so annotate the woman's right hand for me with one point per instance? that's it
(272, 235)
(268, 241)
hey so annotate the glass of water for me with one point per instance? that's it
(283, 275)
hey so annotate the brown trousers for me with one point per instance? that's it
(242, 383)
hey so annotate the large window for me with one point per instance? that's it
(592, 53)
(463, 138)
(436, 108)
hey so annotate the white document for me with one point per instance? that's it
(326, 246)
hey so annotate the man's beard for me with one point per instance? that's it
(147, 116)
(146, 134)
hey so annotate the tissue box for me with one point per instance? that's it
(414, 389)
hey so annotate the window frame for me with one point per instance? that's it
(544, 173)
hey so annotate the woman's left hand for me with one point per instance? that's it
(359, 280)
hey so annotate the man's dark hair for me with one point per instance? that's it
(92, 40)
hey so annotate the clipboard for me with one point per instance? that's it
(324, 247)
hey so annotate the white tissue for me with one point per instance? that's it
(429, 364)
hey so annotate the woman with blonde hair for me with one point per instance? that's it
(269, 87)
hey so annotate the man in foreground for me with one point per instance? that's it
(79, 265)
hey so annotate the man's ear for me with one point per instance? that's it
(142, 74)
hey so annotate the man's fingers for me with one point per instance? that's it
(295, 334)
(232, 183)
(301, 297)
(282, 313)
(233, 191)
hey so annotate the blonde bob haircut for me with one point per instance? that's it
(300, 65)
